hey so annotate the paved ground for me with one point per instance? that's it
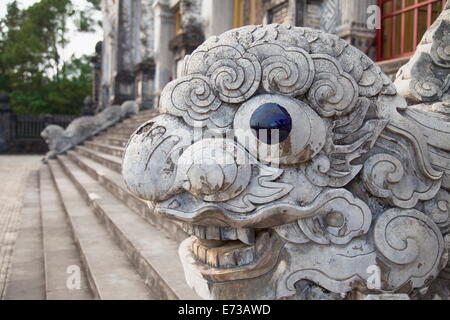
(14, 171)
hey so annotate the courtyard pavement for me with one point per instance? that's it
(14, 172)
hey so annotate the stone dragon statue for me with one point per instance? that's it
(59, 140)
(348, 197)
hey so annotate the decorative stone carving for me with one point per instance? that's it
(146, 28)
(81, 129)
(344, 199)
(426, 78)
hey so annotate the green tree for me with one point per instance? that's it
(31, 67)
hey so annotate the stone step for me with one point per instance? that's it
(27, 277)
(111, 141)
(104, 148)
(61, 258)
(138, 120)
(115, 184)
(115, 135)
(116, 140)
(133, 125)
(122, 131)
(127, 132)
(145, 115)
(148, 111)
(153, 254)
(110, 274)
(106, 160)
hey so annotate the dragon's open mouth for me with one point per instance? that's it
(225, 247)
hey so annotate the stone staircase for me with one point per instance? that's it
(84, 236)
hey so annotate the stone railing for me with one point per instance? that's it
(348, 196)
(60, 140)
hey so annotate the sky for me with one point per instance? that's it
(80, 43)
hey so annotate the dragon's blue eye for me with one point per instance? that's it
(268, 117)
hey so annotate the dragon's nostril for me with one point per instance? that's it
(205, 179)
(268, 118)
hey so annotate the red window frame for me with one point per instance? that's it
(391, 30)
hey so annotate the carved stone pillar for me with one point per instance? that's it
(164, 30)
(191, 35)
(146, 34)
(144, 83)
(96, 61)
(182, 45)
(110, 15)
(217, 16)
(123, 87)
(88, 106)
(144, 68)
(319, 184)
(125, 54)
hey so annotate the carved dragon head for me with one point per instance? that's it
(286, 154)
(54, 137)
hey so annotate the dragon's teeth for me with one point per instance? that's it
(221, 233)
(246, 235)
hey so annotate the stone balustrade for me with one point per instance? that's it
(60, 140)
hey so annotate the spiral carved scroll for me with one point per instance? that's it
(193, 98)
(412, 245)
(333, 92)
(440, 52)
(288, 71)
(385, 177)
(234, 74)
(338, 220)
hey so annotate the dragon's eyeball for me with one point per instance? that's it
(277, 129)
(268, 118)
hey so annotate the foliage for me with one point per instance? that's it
(31, 67)
(62, 96)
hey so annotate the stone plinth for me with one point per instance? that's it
(144, 83)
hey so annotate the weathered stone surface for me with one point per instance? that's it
(425, 78)
(146, 30)
(80, 129)
(425, 83)
(351, 204)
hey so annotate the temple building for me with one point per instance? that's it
(145, 41)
